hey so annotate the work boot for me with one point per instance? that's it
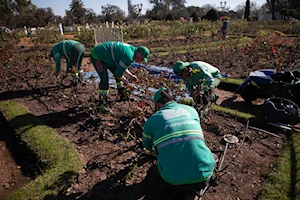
(80, 77)
(103, 104)
(122, 94)
(74, 81)
(102, 100)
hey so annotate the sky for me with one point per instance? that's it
(59, 6)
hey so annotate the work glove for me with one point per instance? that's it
(201, 97)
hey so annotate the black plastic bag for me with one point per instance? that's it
(280, 110)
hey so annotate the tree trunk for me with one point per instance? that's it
(273, 9)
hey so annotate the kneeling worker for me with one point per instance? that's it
(185, 163)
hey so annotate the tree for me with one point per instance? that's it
(211, 15)
(273, 9)
(284, 12)
(90, 16)
(160, 3)
(135, 11)
(255, 10)
(159, 11)
(195, 9)
(195, 17)
(163, 7)
(68, 18)
(247, 10)
(207, 7)
(112, 13)
(6, 11)
(22, 6)
(179, 12)
(12, 9)
(177, 3)
(240, 9)
(294, 4)
(78, 11)
(169, 17)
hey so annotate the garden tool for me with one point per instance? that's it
(284, 126)
(258, 129)
(229, 139)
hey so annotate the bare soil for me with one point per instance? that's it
(116, 167)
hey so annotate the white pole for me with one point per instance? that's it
(61, 29)
(78, 29)
(25, 30)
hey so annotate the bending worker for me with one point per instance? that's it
(184, 162)
(117, 57)
(193, 73)
(73, 52)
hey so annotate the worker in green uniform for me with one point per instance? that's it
(73, 52)
(184, 162)
(194, 73)
(117, 57)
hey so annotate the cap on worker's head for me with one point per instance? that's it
(145, 52)
(179, 66)
(157, 94)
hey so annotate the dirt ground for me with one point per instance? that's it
(109, 143)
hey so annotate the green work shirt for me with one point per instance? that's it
(117, 55)
(175, 133)
(62, 50)
(203, 71)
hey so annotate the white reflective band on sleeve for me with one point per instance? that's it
(176, 140)
(64, 49)
(56, 55)
(122, 65)
(112, 54)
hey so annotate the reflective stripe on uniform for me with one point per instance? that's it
(103, 91)
(176, 140)
(78, 59)
(64, 49)
(113, 58)
(177, 134)
(57, 55)
(147, 136)
(122, 65)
